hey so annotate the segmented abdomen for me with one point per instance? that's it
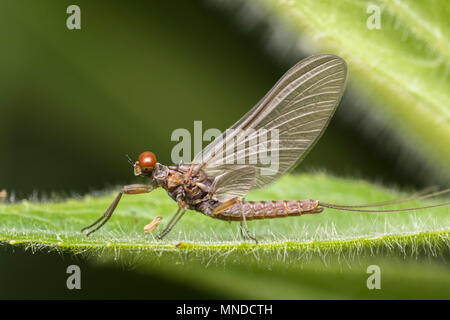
(267, 209)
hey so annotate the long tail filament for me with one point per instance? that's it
(358, 208)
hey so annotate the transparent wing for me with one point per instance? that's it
(233, 182)
(282, 128)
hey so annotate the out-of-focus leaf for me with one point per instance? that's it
(398, 74)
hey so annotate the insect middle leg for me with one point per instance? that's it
(130, 189)
(176, 217)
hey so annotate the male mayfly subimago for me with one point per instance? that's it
(296, 111)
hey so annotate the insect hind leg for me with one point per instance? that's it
(244, 222)
(243, 227)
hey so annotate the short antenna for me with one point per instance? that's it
(129, 160)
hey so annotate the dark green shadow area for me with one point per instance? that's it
(43, 276)
(189, 276)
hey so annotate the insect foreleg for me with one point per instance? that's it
(130, 189)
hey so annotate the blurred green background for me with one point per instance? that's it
(73, 103)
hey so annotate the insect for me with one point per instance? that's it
(297, 111)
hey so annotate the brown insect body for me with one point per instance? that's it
(194, 190)
(253, 210)
(186, 188)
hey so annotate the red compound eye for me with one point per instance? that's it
(147, 159)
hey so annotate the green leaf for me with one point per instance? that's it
(59, 223)
(398, 74)
(313, 256)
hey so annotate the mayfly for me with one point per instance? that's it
(298, 108)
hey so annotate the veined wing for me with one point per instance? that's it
(233, 183)
(277, 133)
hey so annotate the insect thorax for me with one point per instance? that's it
(188, 188)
